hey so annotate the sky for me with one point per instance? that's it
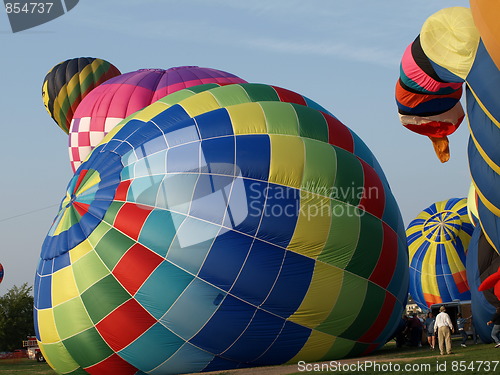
(344, 55)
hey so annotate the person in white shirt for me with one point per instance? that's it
(444, 329)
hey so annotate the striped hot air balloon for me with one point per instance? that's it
(438, 239)
(482, 263)
(448, 52)
(67, 83)
(457, 46)
(219, 228)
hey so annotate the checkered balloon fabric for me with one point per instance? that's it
(220, 228)
(127, 93)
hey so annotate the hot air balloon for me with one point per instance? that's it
(1, 273)
(448, 52)
(482, 262)
(123, 95)
(438, 239)
(67, 83)
(233, 228)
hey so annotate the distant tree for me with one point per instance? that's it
(16, 317)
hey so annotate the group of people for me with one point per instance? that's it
(410, 331)
(442, 327)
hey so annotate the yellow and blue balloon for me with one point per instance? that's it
(438, 239)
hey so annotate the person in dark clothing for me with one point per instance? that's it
(416, 327)
(461, 328)
(429, 327)
(401, 332)
(495, 320)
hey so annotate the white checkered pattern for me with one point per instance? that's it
(85, 134)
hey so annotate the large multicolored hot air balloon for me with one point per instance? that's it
(67, 83)
(236, 226)
(121, 96)
(1, 272)
(438, 239)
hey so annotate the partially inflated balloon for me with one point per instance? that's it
(449, 52)
(438, 239)
(428, 99)
(234, 228)
(67, 83)
(482, 262)
(121, 96)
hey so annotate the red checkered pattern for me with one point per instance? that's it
(127, 272)
(131, 218)
(125, 324)
(112, 365)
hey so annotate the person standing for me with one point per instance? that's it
(461, 328)
(495, 320)
(416, 331)
(444, 329)
(429, 328)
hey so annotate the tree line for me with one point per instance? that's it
(16, 317)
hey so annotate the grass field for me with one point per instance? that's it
(478, 359)
(474, 359)
(23, 366)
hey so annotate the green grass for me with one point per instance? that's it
(420, 361)
(392, 360)
(23, 366)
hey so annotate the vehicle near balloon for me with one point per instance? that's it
(16, 354)
(453, 309)
(32, 349)
(220, 228)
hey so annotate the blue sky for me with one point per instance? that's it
(342, 54)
